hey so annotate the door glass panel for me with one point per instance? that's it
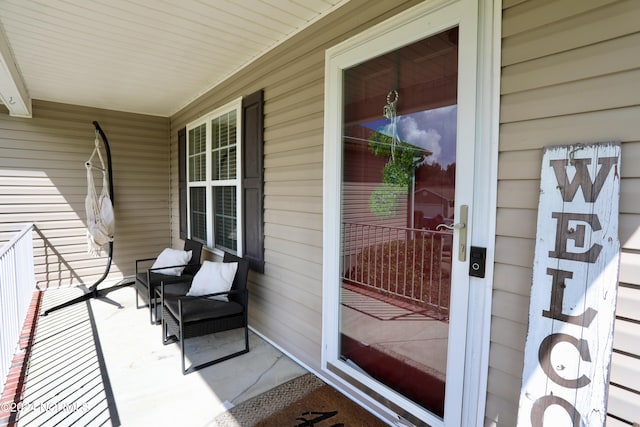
(398, 192)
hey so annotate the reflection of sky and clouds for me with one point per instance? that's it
(433, 130)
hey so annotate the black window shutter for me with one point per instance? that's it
(182, 181)
(252, 180)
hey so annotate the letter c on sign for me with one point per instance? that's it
(541, 405)
(544, 357)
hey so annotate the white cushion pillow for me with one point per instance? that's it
(171, 258)
(213, 277)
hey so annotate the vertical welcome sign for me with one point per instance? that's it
(573, 295)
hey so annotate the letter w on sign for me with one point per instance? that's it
(573, 294)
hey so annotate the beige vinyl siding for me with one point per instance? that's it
(43, 181)
(571, 73)
(286, 302)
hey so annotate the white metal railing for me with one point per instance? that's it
(17, 284)
(410, 264)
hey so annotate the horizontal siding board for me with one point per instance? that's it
(628, 302)
(516, 222)
(280, 279)
(302, 252)
(599, 93)
(295, 128)
(67, 140)
(293, 203)
(629, 232)
(527, 16)
(294, 142)
(522, 194)
(512, 278)
(298, 108)
(503, 385)
(625, 370)
(303, 188)
(307, 84)
(293, 341)
(294, 172)
(506, 4)
(616, 124)
(308, 220)
(613, 422)
(303, 156)
(625, 336)
(514, 251)
(608, 57)
(623, 404)
(630, 268)
(523, 164)
(511, 306)
(306, 100)
(631, 159)
(508, 333)
(309, 269)
(630, 196)
(507, 359)
(577, 30)
(500, 412)
(292, 311)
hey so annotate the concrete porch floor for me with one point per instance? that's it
(102, 363)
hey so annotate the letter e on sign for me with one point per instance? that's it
(573, 293)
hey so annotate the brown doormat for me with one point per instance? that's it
(303, 401)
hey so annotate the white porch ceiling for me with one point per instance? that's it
(143, 56)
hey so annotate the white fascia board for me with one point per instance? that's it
(13, 92)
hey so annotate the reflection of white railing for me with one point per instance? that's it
(413, 265)
(17, 284)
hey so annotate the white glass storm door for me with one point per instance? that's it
(399, 169)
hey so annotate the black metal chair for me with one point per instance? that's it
(148, 279)
(186, 317)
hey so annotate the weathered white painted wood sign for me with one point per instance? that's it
(573, 294)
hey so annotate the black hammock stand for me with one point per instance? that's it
(93, 291)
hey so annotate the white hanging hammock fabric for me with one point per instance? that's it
(100, 219)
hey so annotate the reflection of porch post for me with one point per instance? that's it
(412, 203)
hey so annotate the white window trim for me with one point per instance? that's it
(208, 184)
(486, 81)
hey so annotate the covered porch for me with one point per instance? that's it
(102, 363)
(133, 68)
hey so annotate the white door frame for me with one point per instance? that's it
(478, 89)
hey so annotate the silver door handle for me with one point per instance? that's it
(457, 226)
(462, 235)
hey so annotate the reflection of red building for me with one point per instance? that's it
(431, 202)
(361, 165)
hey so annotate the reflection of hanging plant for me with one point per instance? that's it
(402, 163)
(383, 201)
(397, 174)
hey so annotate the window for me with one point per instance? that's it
(213, 179)
(221, 197)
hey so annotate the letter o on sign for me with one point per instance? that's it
(541, 405)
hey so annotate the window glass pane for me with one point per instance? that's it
(399, 151)
(224, 207)
(197, 153)
(198, 209)
(211, 156)
(223, 155)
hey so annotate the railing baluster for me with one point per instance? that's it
(17, 284)
(378, 257)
